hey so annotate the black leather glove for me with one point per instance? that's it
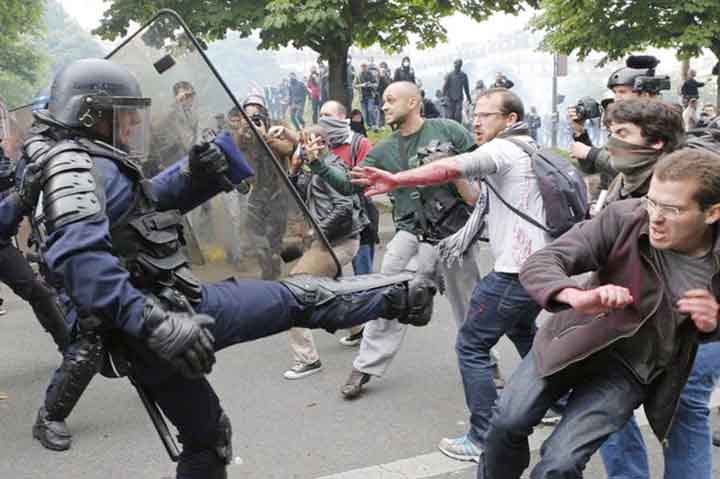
(31, 185)
(181, 339)
(207, 164)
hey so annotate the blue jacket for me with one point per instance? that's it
(80, 254)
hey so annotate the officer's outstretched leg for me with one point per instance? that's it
(81, 360)
(245, 310)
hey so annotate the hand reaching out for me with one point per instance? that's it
(376, 181)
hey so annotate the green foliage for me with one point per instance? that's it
(617, 27)
(19, 57)
(323, 25)
(45, 38)
(65, 40)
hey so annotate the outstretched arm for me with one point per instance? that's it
(473, 164)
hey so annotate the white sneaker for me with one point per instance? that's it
(300, 370)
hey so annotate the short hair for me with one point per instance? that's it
(701, 166)
(185, 85)
(509, 101)
(658, 120)
(339, 107)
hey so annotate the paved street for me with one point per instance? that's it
(282, 429)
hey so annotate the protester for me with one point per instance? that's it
(405, 72)
(499, 305)
(690, 88)
(297, 93)
(420, 221)
(621, 341)
(456, 84)
(341, 218)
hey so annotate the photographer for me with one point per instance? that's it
(635, 80)
(340, 217)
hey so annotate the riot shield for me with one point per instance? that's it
(19, 121)
(245, 232)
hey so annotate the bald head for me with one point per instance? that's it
(401, 102)
(334, 109)
(404, 90)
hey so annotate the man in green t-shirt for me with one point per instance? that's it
(413, 216)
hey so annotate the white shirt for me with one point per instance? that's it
(508, 169)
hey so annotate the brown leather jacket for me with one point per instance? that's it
(615, 245)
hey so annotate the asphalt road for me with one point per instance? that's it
(282, 429)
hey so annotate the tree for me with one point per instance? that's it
(618, 27)
(19, 57)
(329, 27)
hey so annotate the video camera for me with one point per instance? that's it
(648, 82)
(587, 108)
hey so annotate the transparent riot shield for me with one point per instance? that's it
(248, 231)
(19, 121)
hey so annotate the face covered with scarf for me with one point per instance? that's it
(632, 154)
(338, 131)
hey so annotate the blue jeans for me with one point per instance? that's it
(363, 260)
(499, 306)
(369, 111)
(689, 449)
(603, 398)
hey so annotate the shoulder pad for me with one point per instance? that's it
(36, 146)
(70, 188)
(62, 158)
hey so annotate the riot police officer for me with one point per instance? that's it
(112, 246)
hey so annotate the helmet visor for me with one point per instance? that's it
(131, 130)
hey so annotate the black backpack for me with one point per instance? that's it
(561, 186)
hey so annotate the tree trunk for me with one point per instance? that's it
(715, 48)
(684, 69)
(337, 71)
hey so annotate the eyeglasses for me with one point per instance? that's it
(661, 210)
(485, 116)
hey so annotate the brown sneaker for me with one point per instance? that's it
(353, 386)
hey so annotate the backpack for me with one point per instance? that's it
(561, 186)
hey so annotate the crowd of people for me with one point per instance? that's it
(292, 96)
(630, 280)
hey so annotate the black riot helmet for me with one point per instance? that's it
(102, 100)
(625, 76)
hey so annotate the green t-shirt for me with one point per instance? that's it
(386, 155)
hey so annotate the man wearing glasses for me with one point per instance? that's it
(499, 304)
(629, 337)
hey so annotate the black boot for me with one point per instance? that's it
(54, 435)
(411, 302)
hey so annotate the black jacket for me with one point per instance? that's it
(340, 217)
(690, 88)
